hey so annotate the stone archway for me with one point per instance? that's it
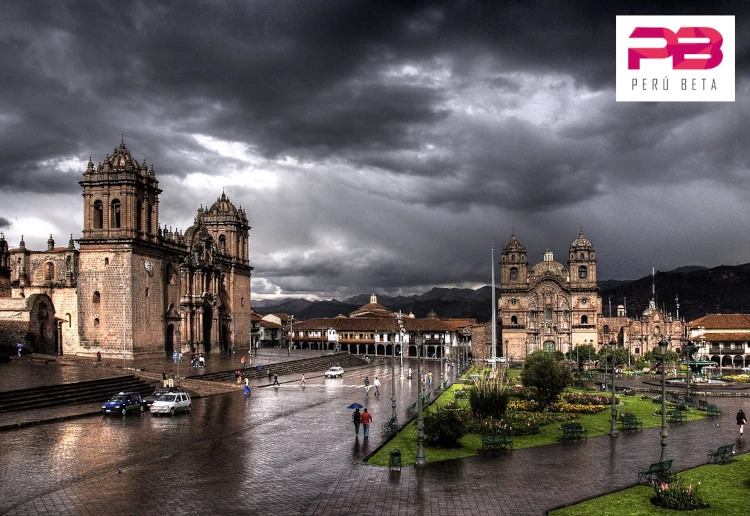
(207, 324)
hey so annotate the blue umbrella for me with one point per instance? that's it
(355, 406)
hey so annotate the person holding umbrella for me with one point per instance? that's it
(356, 419)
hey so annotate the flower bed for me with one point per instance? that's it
(518, 423)
(583, 398)
(576, 408)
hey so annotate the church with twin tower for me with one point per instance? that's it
(134, 287)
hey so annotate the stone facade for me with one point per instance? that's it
(134, 287)
(547, 306)
(29, 321)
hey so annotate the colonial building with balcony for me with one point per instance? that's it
(721, 338)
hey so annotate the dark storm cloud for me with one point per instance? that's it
(395, 139)
(4, 223)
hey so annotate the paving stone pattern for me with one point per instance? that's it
(291, 451)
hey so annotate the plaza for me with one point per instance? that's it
(291, 451)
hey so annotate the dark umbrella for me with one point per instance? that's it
(355, 406)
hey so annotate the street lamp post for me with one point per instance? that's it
(420, 460)
(122, 287)
(401, 333)
(291, 335)
(613, 428)
(393, 381)
(663, 346)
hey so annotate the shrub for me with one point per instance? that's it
(488, 398)
(575, 408)
(445, 426)
(576, 398)
(678, 496)
(543, 372)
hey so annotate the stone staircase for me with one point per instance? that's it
(91, 391)
(293, 367)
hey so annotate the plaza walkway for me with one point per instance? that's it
(292, 451)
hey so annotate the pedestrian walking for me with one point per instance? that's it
(19, 347)
(202, 360)
(429, 379)
(276, 380)
(367, 386)
(377, 386)
(741, 420)
(238, 374)
(356, 419)
(366, 419)
(243, 360)
(246, 389)
(260, 368)
(179, 356)
(171, 378)
(98, 356)
(303, 380)
(164, 379)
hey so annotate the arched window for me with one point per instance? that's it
(637, 351)
(96, 321)
(49, 273)
(514, 320)
(98, 215)
(582, 258)
(96, 297)
(582, 272)
(222, 244)
(116, 215)
(147, 229)
(69, 319)
(584, 319)
(548, 314)
(513, 274)
(513, 258)
(170, 274)
(106, 261)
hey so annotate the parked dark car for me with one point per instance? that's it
(151, 398)
(124, 402)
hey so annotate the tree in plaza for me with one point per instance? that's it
(620, 356)
(653, 357)
(582, 354)
(546, 375)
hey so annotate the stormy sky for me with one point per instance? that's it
(376, 146)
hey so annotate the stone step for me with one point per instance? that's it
(305, 365)
(71, 393)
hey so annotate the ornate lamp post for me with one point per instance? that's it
(421, 460)
(401, 334)
(393, 381)
(613, 428)
(663, 347)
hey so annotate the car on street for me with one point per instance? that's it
(124, 402)
(151, 398)
(335, 372)
(171, 403)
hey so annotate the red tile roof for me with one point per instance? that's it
(722, 322)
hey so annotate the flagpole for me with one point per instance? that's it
(494, 311)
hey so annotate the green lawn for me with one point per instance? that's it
(471, 444)
(725, 487)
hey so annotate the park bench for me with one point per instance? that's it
(631, 422)
(495, 441)
(713, 410)
(675, 416)
(573, 430)
(659, 471)
(625, 391)
(702, 405)
(723, 454)
(690, 402)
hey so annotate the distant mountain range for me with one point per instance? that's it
(701, 291)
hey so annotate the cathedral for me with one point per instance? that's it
(130, 287)
(547, 306)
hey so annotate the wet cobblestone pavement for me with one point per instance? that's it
(291, 451)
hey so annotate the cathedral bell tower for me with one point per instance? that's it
(582, 263)
(120, 199)
(513, 265)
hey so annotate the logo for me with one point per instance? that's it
(675, 58)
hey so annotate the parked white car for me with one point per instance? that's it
(172, 403)
(335, 372)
